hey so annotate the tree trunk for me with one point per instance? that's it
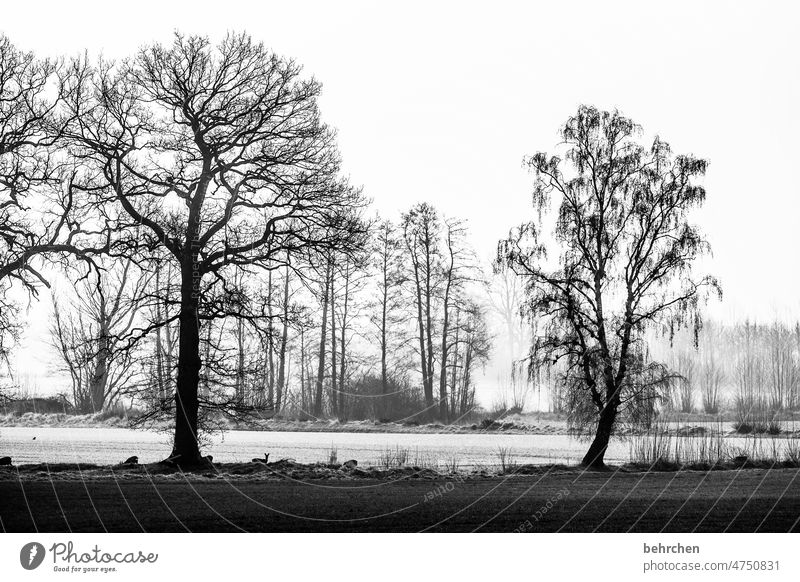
(384, 379)
(99, 377)
(455, 394)
(160, 382)
(466, 395)
(334, 394)
(443, 370)
(169, 336)
(429, 318)
(206, 377)
(594, 457)
(240, 375)
(304, 402)
(284, 341)
(421, 325)
(323, 336)
(343, 348)
(270, 346)
(186, 450)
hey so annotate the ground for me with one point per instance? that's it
(549, 500)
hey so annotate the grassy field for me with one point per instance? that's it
(557, 500)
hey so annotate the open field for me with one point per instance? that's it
(550, 500)
(542, 423)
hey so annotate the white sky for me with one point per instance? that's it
(441, 102)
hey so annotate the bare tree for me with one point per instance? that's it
(421, 226)
(388, 315)
(325, 301)
(750, 372)
(161, 317)
(506, 297)
(42, 214)
(458, 270)
(93, 336)
(712, 372)
(219, 156)
(471, 348)
(626, 250)
(783, 372)
(283, 343)
(682, 385)
(353, 271)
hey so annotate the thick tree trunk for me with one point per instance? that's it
(595, 456)
(99, 378)
(186, 451)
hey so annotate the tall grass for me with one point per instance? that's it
(451, 464)
(506, 458)
(754, 415)
(424, 460)
(660, 447)
(393, 458)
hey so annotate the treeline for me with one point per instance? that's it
(747, 369)
(396, 331)
(223, 263)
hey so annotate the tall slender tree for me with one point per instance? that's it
(625, 254)
(388, 313)
(421, 226)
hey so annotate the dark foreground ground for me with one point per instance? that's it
(566, 500)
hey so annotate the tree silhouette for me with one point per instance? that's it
(43, 215)
(625, 253)
(218, 155)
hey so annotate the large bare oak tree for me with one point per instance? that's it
(217, 154)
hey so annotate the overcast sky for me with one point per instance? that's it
(441, 102)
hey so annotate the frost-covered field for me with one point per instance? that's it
(112, 445)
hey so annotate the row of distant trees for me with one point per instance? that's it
(751, 369)
(343, 336)
(742, 366)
